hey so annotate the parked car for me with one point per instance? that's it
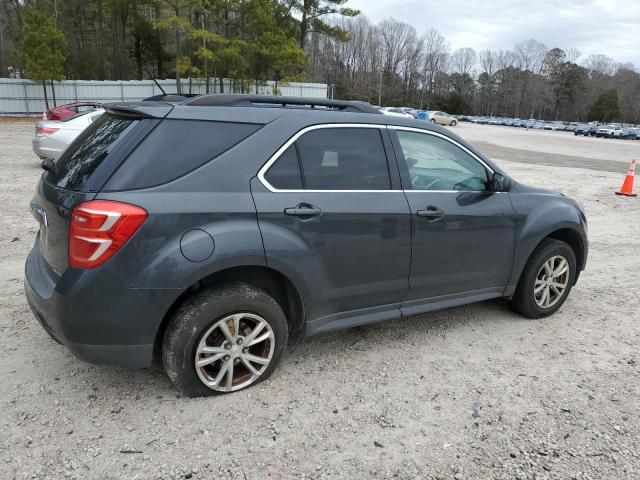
(212, 231)
(443, 118)
(609, 131)
(395, 112)
(54, 136)
(554, 126)
(582, 129)
(628, 133)
(68, 110)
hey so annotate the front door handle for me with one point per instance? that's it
(431, 213)
(303, 210)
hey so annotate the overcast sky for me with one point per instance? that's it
(611, 27)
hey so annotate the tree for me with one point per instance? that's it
(606, 107)
(312, 12)
(43, 50)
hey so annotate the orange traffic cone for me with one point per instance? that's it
(627, 185)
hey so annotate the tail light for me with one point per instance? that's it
(42, 131)
(99, 228)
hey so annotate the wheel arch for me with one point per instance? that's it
(568, 234)
(278, 285)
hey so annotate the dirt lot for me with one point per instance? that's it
(469, 393)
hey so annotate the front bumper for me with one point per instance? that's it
(95, 316)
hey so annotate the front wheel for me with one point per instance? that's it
(433, 120)
(546, 280)
(224, 339)
(453, 123)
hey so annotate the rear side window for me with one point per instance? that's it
(83, 157)
(174, 148)
(285, 174)
(333, 159)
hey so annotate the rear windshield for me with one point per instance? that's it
(175, 148)
(76, 165)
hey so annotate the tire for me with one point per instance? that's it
(202, 315)
(453, 123)
(433, 120)
(525, 300)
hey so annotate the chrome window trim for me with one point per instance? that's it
(274, 158)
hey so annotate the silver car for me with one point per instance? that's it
(54, 136)
(443, 118)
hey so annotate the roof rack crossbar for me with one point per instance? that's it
(237, 100)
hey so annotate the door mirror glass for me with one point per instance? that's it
(499, 183)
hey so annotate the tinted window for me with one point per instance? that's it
(285, 173)
(344, 159)
(88, 151)
(437, 164)
(174, 148)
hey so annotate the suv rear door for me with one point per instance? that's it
(463, 234)
(333, 216)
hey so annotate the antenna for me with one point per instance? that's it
(154, 80)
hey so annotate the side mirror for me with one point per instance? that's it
(499, 183)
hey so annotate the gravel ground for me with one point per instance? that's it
(546, 141)
(475, 392)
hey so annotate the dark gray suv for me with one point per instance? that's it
(210, 231)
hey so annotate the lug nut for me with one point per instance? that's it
(227, 345)
(237, 360)
(245, 350)
(226, 357)
(239, 341)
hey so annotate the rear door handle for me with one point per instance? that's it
(431, 213)
(307, 211)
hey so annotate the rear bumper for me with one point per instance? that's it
(96, 317)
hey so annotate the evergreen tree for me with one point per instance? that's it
(43, 50)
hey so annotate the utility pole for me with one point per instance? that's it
(204, 46)
(380, 89)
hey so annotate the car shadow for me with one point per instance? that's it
(316, 351)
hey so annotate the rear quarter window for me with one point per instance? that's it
(74, 168)
(175, 148)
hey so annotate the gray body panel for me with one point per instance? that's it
(367, 257)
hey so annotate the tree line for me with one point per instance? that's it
(391, 64)
(251, 41)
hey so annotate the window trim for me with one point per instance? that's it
(274, 158)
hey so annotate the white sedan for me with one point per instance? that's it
(396, 112)
(54, 136)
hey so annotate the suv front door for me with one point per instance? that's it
(463, 234)
(334, 218)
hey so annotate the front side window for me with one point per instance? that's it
(333, 159)
(437, 164)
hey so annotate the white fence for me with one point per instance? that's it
(24, 97)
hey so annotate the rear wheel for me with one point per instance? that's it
(224, 339)
(433, 120)
(453, 123)
(546, 280)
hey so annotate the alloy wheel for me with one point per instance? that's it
(234, 352)
(551, 282)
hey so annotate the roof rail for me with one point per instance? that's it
(239, 100)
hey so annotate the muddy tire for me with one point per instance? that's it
(223, 339)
